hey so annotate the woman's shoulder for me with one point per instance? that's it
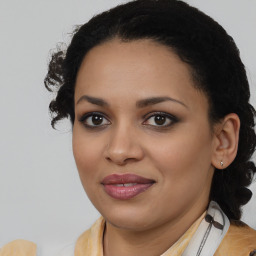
(19, 247)
(240, 240)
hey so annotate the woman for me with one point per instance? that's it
(163, 131)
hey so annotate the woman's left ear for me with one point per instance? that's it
(225, 144)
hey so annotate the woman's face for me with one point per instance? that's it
(141, 137)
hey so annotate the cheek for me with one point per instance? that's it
(185, 156)
(86, 152)
(184, 166)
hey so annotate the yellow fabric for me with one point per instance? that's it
(90, 242)
(19, 248)
(240, 240)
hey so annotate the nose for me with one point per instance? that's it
(124, 146)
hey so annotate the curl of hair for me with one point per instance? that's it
(199, 41)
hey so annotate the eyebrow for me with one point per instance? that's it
(93, 100)
(155, 100)
(139, 104)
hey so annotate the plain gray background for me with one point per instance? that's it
(41, 198)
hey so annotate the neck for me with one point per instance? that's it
(151, 242)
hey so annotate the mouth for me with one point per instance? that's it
(125, 186)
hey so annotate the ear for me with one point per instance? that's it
(225, 141)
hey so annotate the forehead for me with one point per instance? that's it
(134, 58)
(136, 69)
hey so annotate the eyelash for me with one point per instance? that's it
(172, 119)
(91, 114)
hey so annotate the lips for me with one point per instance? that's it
(126, 186)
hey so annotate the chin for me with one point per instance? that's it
(129, 218)
(129, 223)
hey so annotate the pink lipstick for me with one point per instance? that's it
(125, 186)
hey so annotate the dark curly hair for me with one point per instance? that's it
(199, 41)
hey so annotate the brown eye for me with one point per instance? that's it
(97, 120)
(160, 120)
(94, 120)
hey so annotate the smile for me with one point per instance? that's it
(126, 186)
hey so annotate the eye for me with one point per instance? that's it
(160, 119)
(93, 120)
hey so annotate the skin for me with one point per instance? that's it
(179, 155)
